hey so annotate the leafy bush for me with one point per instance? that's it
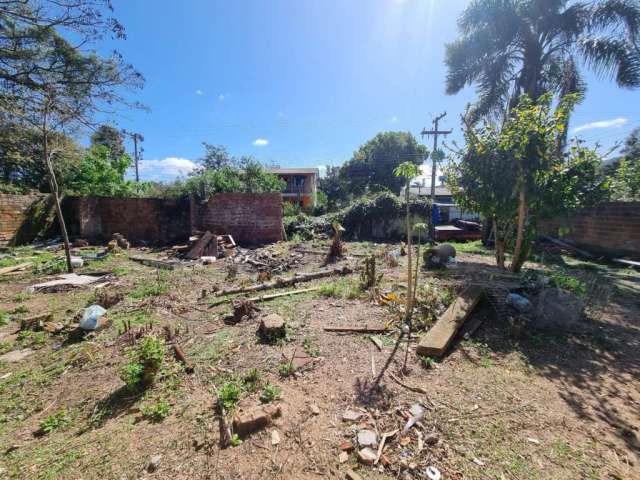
(286, 369)
(144, 362)
(229, 395)
(269, 393)
(56, 421)
(156, 411)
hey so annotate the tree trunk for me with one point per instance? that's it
(499, 244)
(518, 250)
(53, 186)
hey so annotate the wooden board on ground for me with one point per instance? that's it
(435, 342)
(14, 268)
(358, 329)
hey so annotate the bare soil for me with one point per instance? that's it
(540, 406)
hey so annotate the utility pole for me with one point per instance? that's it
(136, 137)
(435, 132)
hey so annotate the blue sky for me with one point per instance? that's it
(304, 83)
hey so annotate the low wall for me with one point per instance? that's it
(15, 211)
(251, 218)
(611, 228)
(152, 221)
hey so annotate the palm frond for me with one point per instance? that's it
(612, 57)
(612, 14)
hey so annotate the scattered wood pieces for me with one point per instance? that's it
(407, 386)
(436, 341)
(263, 298)
(628, 263)
(376, 341)
(567, 246)
(354, 329)
(15, 268)
(207, 245)
(281, 283)
(161, 264)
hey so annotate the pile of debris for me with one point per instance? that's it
(207, 247)
(267, 260)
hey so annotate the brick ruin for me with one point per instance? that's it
(249, 218)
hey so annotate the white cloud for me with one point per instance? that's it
(165, 169)
(199, 92)
(322, 169)
(221, 97)
(614, 123)
(260, 142)
(393, 119)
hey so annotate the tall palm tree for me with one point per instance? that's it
(512, 47)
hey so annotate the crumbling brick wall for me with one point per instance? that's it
(251, 218)
(152, 221)
(611, 228)
(14, 210)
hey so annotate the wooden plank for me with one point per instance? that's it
(161, 264)
(364, 329)
(14, 268)
(629, 263)
(198, 249)
(435, 342)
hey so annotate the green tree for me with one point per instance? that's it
(371, 167)
(21, 167)
(110, 137)
(517, 177)
(333, 186)
(102, 174)
(508, 48)
(215, 156)
(53, 85)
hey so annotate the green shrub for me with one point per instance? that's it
(269, 393)
(156, 411)
(229, 395)
(310, 347)
(56, 421)
(144, 362)
(286, 369)
(251, 379)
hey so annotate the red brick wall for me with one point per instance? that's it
(13, 211)
(141, 220)
(251, 218)
(611, 228)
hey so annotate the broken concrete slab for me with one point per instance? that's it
(64, 281)
(436, 341)
(256, 418)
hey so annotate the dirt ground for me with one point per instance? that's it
(498, 406)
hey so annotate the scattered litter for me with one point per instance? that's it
(314, 409)
(351, 475)
(275, 438)
(367, 456)
(433, 473)
(367, 438)
(376, 341)
(346, 446)
(351, 416)
(518, 302)
(77, 262)
(90, 317)
(478, 462)
(154, 463)
(533, 440)
(343, 457)
(37, 322)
